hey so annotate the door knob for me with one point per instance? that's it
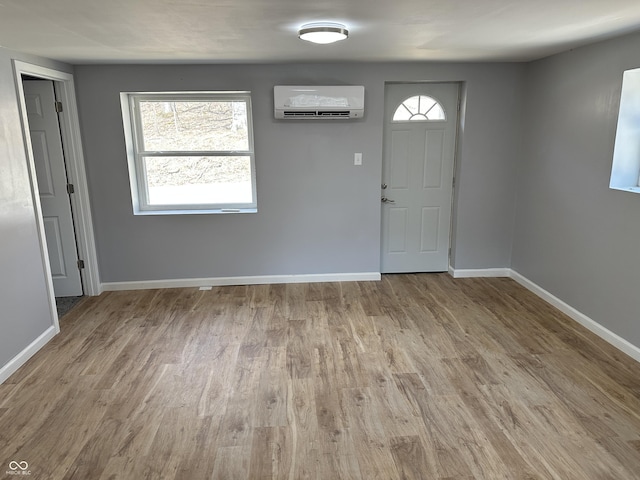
(386, 200)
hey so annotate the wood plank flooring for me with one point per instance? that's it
(413, 377)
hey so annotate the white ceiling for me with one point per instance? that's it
(248, 31)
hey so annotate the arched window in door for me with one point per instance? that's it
(419, 109)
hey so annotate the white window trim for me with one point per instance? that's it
(133, 136)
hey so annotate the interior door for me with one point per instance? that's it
(51, 175)
(419, 147)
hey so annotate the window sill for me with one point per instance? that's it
(627, 189)
(214, 211)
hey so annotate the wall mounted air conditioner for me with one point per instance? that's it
(314, 102)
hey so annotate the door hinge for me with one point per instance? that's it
(80, 264)
(59, 107)
(70, 188)
(453, 182)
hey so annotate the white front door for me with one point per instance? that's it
(417, 182)
(52, 184)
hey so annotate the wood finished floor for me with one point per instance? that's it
(414, 377)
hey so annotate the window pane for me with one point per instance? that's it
(426, 103)
(198, 180)
(401, 114)
(436, 113)
(194, 125)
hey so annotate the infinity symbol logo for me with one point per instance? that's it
(18, 465)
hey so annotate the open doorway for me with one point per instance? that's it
(58, 182)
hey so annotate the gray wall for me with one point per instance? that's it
(574, 236)
(317, 213)
(24, 304)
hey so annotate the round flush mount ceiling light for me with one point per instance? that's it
(323, 33)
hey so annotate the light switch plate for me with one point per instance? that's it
(357, 159)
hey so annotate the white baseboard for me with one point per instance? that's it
(249, 280)
(16, 362)
(479, 272)
(604, 333)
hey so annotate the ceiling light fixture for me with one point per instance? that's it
(323, 33)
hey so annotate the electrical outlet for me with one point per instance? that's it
(357, 159)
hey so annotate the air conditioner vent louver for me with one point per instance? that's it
(344, 113)
(316, 113)
(299, 114)
(318, 102)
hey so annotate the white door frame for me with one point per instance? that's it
(74, 158)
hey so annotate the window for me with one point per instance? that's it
(190, 152)
(625, 168)
(419, 108)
